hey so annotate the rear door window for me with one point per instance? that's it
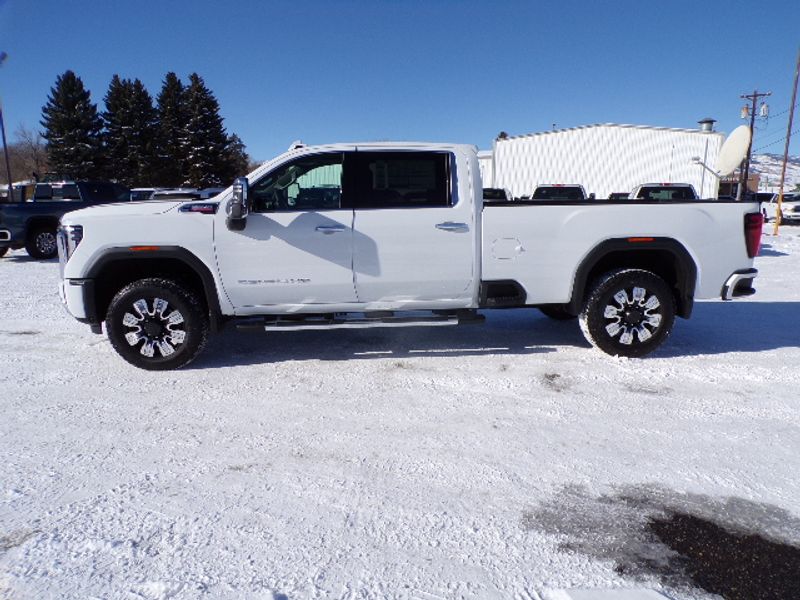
(402, 179)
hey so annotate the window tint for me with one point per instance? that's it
(557, 193)
(667, 193)
(68, 191)
(402, 179)
(308, 183)
(43, 191)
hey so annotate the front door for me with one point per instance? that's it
(297, 245)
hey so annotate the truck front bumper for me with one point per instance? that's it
(77, 296)
(739, 284)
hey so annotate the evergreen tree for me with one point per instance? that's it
(171, 142)
(130, 121)
(72, 128)
(207, 157)
(236, 158)
(145, 119)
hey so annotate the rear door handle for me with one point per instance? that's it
(329, 229)
(453, 227)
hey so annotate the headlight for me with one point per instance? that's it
(68, 238)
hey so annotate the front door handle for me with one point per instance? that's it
(329, 229)
(453, 227)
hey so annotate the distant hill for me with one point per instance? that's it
(769, 167)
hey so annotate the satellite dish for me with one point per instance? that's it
(733, 150)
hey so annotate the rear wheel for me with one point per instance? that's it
(3, 250)
(629, 312)
(156, 324)
(41, 242)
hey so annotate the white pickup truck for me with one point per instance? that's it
(393, 234)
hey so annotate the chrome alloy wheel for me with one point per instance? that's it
(633, 310)
(158, 328)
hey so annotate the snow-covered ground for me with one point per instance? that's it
(508, 460)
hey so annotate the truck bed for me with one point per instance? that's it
(536, 242)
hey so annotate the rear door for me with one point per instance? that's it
(413, 236)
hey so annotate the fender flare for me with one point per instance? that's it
(161, 252)
(685, 268)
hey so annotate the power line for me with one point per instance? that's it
(783, 139)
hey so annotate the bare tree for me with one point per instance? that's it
(27, 156)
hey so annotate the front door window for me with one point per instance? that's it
(310, 183)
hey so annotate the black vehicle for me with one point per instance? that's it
(497, 194)
(33, 225)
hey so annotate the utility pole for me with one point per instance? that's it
(786, 146)
(3, 57)
(744, 174)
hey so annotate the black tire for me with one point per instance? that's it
(557, 312)
(157, 324)
(766, 218)
(621, 320)
(3, 251)
(41, 242)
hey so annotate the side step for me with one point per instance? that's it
(360, 321)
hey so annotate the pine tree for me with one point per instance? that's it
(236, 158)
(171, 142)
(145, 119)
(207, 157)
(130, 121)
(72, 128)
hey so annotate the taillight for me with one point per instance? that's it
(752, 233)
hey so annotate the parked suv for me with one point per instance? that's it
(790, 208)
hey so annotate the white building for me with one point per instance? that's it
(604, 158)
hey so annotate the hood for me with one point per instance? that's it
(121, 209)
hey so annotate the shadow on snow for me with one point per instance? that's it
(715, 328)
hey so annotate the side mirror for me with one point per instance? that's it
(238, 206)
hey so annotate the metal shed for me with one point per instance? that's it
(604, 158)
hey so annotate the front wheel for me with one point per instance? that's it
(629, 312)
(156, 324)
(41, 242)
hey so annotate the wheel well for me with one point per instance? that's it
(670, 261)
(115, 275)
(36, 222)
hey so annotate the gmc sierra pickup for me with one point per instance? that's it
(393, 234)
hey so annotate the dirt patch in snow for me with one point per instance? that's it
(732, 547)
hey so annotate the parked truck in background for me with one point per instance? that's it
(559, 191)
(33, 225)
(664, 191)
(393, 234)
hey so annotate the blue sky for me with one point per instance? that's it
(351, 70)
